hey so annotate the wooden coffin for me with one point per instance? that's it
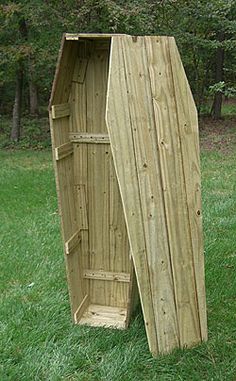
(126, 100)
(100, 272)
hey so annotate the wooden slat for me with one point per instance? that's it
(104, 316)
(60, 111)
(82, 207)
(80, 70)
(119, 249)
(78, 123)
(83, 137)
(73, 242)
(76, 36)
(107, 275)
(118, 123)
(72, 36)
(98, 175)
(63, 150)
(81, 309)
(189, 142)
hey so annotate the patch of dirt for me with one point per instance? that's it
(218, 135)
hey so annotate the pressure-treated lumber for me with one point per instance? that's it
(102, 316)
(97, 253)
(107, 275)
(60, 111)
(63, 150)
(81, 137)
(126, 155)
(152, 165)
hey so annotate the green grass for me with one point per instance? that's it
(37, 338)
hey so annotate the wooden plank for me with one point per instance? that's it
(119, 249)
(98, 175)
(72, 36)
(80, 70)
(189, 142)
(76, 36)
(81, 309)
(79, 123)
(171, 168)
(63, 150)
(107, 275)
(60, 111)
(84, 137)
(104, 316)
(73, 242)
(82, 206)
(118, 124)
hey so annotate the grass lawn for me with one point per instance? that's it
(37, 338)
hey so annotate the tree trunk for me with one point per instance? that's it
(34, 103)
(219, 76)
(16, 115)
(33, 89)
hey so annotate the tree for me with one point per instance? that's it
(205, 33)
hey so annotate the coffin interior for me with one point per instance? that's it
(100, 273)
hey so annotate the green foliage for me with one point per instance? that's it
(220, 87)
(199, 26)
(38, 341)
(35, 134)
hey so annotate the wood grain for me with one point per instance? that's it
(123, 120)
(104, 245)
(122, 145)
(189, 142)
(60, 111)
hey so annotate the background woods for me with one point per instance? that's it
(30, 33)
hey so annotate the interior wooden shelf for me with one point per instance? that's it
(104, 316)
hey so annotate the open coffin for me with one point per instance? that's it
(100, 272)
(126, 100)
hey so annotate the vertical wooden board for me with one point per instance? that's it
(118, 124)
(119, 257)
(98, 174)
(78, 94)
(133, 297)
(189, 141)
(80, 70)
(82, 209)
(78, 123)
(81, 192)
(98, 220)
(171, 166)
